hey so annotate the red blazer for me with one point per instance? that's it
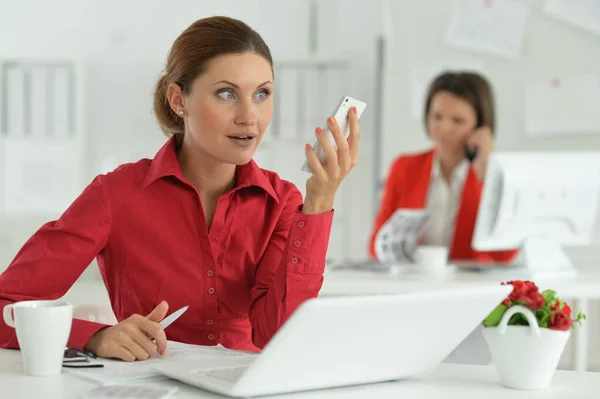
(407, 187)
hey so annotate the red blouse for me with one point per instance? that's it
(144, 222)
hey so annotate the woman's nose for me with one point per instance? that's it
(246, 115)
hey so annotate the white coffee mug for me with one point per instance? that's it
(431, 258)
(43, 329)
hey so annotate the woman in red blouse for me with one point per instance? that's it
(200, 224)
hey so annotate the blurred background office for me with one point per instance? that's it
(76, 82)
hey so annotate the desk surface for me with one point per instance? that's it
(448, 381)
(584, 285)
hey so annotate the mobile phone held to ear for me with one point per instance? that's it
(470, 154)
(341, 116)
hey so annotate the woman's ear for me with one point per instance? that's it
(175, 97)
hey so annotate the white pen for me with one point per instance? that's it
(167, 321)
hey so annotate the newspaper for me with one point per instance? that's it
(398, 239)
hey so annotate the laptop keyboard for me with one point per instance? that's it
(229, 374)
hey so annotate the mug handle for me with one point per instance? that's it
(8, 318)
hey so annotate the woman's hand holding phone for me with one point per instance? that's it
(480, 141)
(325, 180)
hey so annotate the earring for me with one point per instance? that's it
(181, 112)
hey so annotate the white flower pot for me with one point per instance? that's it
(525, 357)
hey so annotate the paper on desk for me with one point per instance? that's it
(117, 372)
(562, 105)
(491, 26)
(397, 240)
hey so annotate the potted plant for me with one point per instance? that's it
(526, 335)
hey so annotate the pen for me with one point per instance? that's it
(167, 321)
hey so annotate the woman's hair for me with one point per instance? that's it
(202, 41)
(472, 88)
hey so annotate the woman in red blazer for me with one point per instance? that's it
(459, 115)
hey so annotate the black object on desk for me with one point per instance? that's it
(78, 358)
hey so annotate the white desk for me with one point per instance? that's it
(585, 285)
(448, 382)
(583, 288)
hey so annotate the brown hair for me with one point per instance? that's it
(202, 41)
(472, 88)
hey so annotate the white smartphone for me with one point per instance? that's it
(341, 116)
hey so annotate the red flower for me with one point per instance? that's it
(554, 314)
(566, 308)
(560, 321)
(528, 292)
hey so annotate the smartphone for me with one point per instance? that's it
(470, 154)
(341, 116)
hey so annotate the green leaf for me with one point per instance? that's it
(550, 297)
(580, 316)
(518, 320)
(544, 321)
(495, 316)
(543, 316)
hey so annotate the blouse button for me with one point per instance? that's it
(211, 291)
(301, 224)
(211, 337)
(294, 260)
(297, 243)
(210, 322)
(210, 273)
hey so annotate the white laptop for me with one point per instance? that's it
(340, 341)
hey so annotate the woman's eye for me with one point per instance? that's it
(262, 95)
(226, 94)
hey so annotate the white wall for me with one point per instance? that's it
(551, 48)
(123, 45)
